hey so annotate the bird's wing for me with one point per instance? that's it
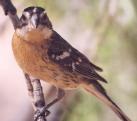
(63, 54)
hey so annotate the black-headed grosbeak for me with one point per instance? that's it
(42, 53)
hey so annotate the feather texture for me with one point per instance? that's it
(63, 54)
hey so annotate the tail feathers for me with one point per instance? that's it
(96, 67)
(97, 90)
(100, 78)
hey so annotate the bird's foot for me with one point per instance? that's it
(41, 113)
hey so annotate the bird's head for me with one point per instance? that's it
(34, 24)
(34, 17)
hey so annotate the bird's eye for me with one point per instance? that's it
(23, 18)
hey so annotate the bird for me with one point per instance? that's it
(42, 53)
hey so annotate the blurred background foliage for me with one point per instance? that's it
(106, 31)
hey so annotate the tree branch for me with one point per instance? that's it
(11, 11)
(36, 94)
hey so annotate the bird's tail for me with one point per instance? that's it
(97, 90)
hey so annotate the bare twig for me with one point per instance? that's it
(34, 86)
(8, 7)
(39, 100)
(29, 87)
(36, 94)
(11, 11)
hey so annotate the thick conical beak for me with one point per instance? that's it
(34, 21)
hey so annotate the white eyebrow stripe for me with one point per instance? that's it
(44, 12)
(26, 14)
(34, 10)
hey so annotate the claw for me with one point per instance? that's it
(43, 112)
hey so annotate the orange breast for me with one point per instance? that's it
(30, 59)
(29, 56)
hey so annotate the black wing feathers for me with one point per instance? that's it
(62, 53)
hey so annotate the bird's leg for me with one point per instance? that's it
(60, 95)
(36, 94)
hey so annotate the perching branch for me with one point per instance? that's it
(36, 94)
(34, 86)
(11, 11)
